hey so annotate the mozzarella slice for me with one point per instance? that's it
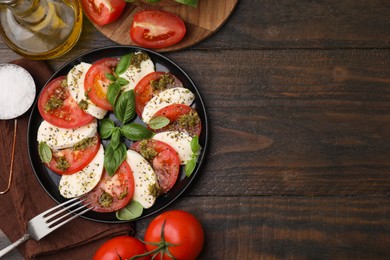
(179, 141)
(165, 98)
(144, 177)
(75, 80)
(84, 181)
(134, 74)
(60, 138)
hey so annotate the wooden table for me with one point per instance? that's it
(298, 99)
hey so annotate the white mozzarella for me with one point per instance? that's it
(84, 181)
(75, 80)
(144, 177)
(60, 138)
(179, 141)
(134, 74)
(165, 98)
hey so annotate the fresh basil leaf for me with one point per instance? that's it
(190, 167)
(123, 64)
(136, 132)
(110, 76)
(44, 152)
(113, 92)
(133, 210)
(106, 128)
(158, 122)
(124, 108)
(115, 138)
(113, 158)
(122, 81)
(195, 147)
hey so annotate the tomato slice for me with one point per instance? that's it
(182, 118)
(72, 160)
(164, 160)
(113, 193)
(96, 83)
(57, 106)
(102, 12)
(157, 29)
(151, 85)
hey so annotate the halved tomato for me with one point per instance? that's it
(74, 159)
(96, 83)
(151, 85)
(164, 160)
(113, 193)
(182, 118)
(102, 12)
(58, 107)
(157, 29)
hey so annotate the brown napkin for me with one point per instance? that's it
(26, 198)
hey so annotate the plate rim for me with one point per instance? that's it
(129, 48)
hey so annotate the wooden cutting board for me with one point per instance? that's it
(201, 22)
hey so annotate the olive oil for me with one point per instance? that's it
(40, 29)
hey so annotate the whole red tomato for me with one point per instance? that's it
(178, 234)
(121, 247)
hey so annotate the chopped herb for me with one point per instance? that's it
(85, 143)
(188, 120)
(162, 82)
(83, 104)
(62, 163)
(105, 199)
(155, 190)
(146, 151)
(138, 58)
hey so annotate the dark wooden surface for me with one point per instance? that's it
(298, 99)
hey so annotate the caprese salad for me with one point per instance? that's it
(89, 135)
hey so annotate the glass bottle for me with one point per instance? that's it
(40, 29)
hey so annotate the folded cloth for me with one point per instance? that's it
(26, 198)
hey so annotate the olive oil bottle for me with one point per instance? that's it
(40, 29)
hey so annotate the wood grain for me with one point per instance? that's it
(201, 22)
(299, 110)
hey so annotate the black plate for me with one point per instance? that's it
(50, 180)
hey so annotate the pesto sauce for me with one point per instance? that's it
(146, 151)
(62, 163)
(83, 104)
(85, 143)
(136, 59)
(53, 103)
(155, 190)
(56, 100)
(105, 199)
(188, 120)
(123, 194)
(162, 82)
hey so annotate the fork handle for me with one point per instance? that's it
(9, 248)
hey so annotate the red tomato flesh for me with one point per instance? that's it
(165, 161)
(58, 107)
(102, 12)
(113, 193)
(76, 159)
(144, 90)
(96, 83)
(121, 247)
(157, 29)
(177, 114)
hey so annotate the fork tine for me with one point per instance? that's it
(53, 212)
(56, 223)
(58, 206)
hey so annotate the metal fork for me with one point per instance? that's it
(49, 220)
